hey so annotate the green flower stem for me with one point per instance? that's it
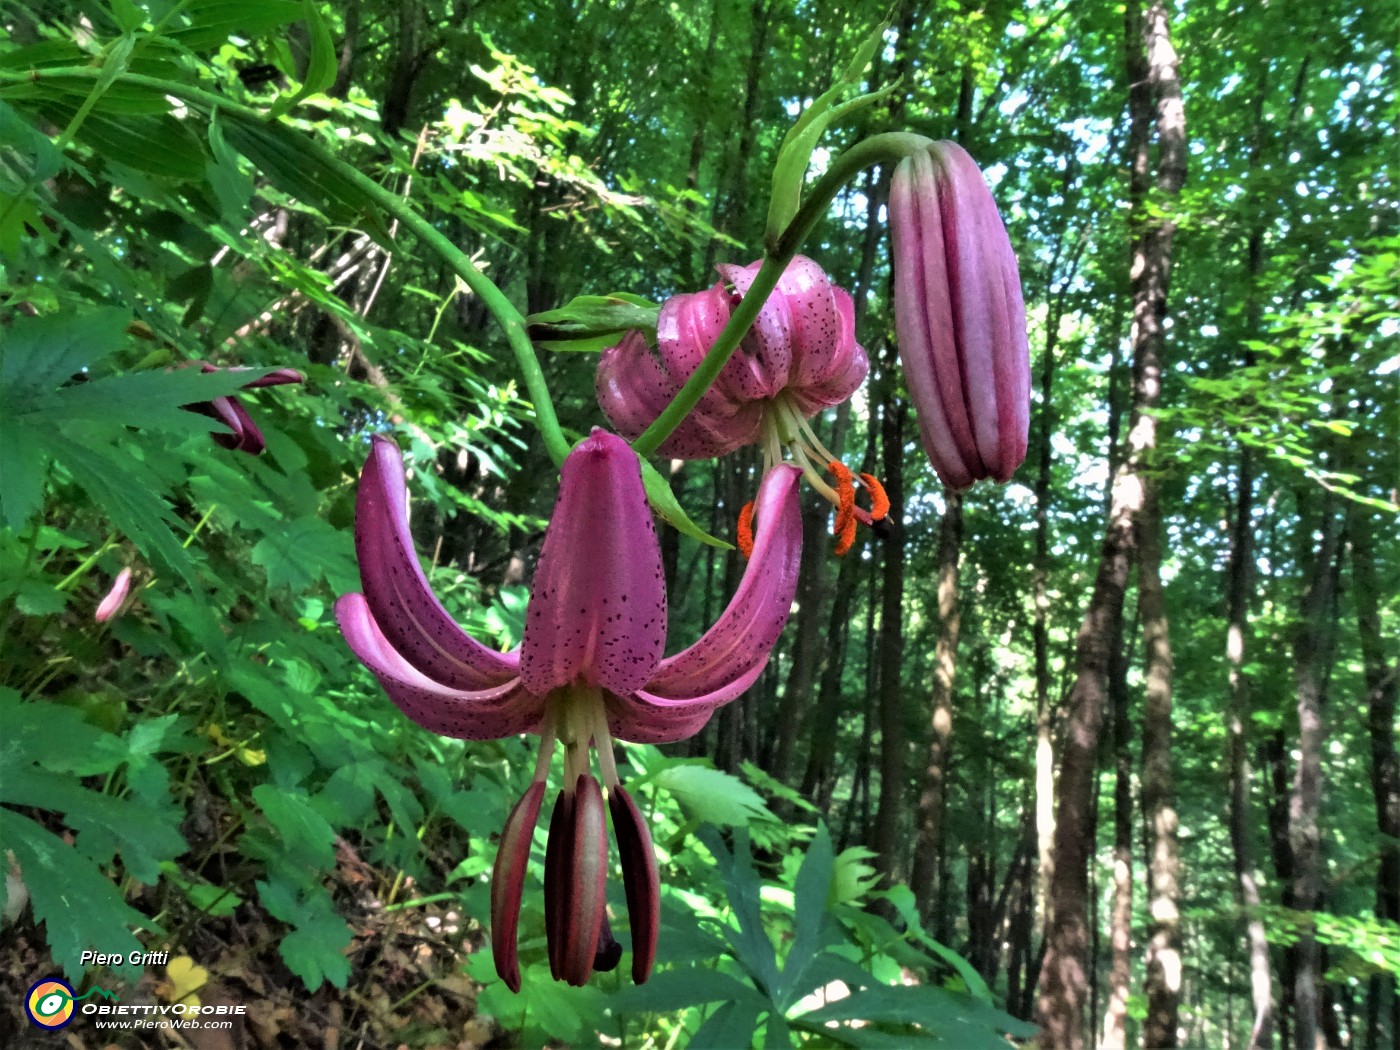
(507, 316)
(893, 146)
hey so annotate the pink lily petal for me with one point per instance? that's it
(276, 378)
(731, 654)
(633, 388)
(482, 714)
(597, 611)
(397, 592)
(762, 366)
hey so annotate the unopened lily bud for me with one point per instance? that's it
(959, 316)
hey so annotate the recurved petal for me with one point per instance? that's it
(732, 653)
(508, 883)
(687, 326)
(276, 377)
(924, 322)
(764, 361)
(483, 714)
(402, 603)
(640, 879)
(597, 612)
(633, 388)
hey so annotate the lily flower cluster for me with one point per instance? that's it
(588, 669)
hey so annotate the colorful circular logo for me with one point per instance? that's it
(49, 1003)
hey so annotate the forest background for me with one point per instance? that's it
(1117, 761)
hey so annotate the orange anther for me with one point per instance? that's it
(847, 534)
(879, 502)
(745, 536)
(846, 492)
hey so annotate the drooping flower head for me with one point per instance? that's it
(959, 316)
(246, 436)
(589, 668)
(799, 357)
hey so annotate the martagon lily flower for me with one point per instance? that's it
(799, 357)
(246, 436)
(589, 669)
(959, 316)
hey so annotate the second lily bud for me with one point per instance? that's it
(959, 316)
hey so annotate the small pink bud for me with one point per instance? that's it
(112, 603)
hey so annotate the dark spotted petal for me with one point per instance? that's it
(597, 611)
(508, 883)
(482, 714)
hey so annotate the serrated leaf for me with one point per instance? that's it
(712, 795)
(38, 353)
(78, 906)
(302, 831)
(811, 892)
(115, 485)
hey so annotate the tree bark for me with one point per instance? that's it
(1261, 1033)
(1382, 675)
(932, 798)
(886, 838)
(1152, 74)
(1115, 1027)
(1163, 979)
(1311, 656)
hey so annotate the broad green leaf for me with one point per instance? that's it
(321, 64)
(731, 1027)
(37, 353)
(672, 990)
(811, 893)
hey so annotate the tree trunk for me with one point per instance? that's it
(932, 799)
(887, 841)
(1151, 72)
(1311, 655)
(1163, 979)
(1261, 1034)
(1115, 1027)
(1382, 674)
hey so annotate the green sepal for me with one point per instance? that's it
(588, 323)
(664, 502)
(795, 154)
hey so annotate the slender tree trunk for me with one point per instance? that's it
(932, 799)
(894, 740)
(1115, 1028)
(1163, 979)
(1261, 1034)
(1311, 655)
(1382, 674)
(1152, 75)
